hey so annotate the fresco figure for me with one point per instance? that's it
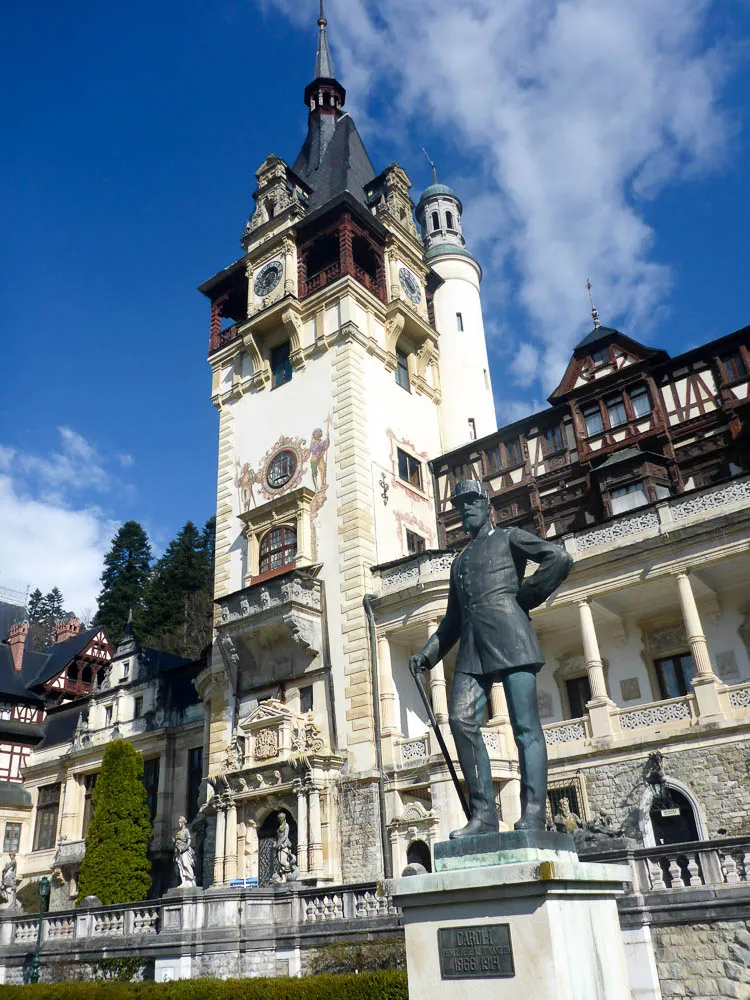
(318, 455)
(245, 480)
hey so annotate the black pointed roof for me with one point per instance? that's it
(323, 61)
(598, 333)
(333, 159)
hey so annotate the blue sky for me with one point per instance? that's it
(587, 137)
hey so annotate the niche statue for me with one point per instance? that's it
(488, 610)
(184, 855)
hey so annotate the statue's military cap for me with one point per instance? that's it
(468, 489)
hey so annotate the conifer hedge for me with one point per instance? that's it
(116, 867)
(389, 985)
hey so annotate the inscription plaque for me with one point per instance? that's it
(480, 951)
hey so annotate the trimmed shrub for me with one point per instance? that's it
(366, 956)
(367, 986)
(115, 866)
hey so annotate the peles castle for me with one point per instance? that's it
(350, 375)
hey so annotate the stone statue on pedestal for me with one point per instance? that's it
(286, 860)
(184, 856)
(488, 610)
(565, 820)
(8, 884)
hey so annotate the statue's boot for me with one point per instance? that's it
(533, 817)
(475, 827)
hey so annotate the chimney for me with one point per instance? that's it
(17, 640)
(67, 628)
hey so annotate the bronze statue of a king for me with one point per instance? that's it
(488, 614)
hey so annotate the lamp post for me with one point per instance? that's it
(44, 890)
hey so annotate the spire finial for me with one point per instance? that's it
(323, 61)
(434, 168)
(594, 310)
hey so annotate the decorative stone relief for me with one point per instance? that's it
(667, 639)
(491, 741)
(726, 667)
(654, 715)
(414, 750)
(544, 704)
(731, 493)
(410, 573)
(740, 698)
(630, 689)
(570, 732)
(266, 744)
(616, 529)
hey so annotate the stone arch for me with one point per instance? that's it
(419, 853)
(685, 798)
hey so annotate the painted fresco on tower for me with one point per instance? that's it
(283, 468)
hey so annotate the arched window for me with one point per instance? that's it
(449, 220)
(673, 822)
(278, 547)
(435, 221)
(418, 853)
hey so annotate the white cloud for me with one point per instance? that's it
(524, 365)
(44, 545)
(49, 538)
(574, 112)
(125, 460)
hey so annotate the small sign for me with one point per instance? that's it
(670, 812)
(481, 951)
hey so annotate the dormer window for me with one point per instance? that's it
(734, 366)
(554, 438)
(600, 356)
(402, 369)
(628, 497)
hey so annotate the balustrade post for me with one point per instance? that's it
(705, 683)
(599, 708)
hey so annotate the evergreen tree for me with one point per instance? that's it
(127, 567)
(44, 612)
(179, 597)
(115, 866)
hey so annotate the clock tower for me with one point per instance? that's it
(329, 385)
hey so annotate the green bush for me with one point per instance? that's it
(30, 897)
(115, 866)
(366, 986)
(367, 956)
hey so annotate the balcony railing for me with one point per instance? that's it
(220, 338)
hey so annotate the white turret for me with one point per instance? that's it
(467, 409)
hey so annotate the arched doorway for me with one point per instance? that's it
(673, 822)
(266, 842)
(418, 853)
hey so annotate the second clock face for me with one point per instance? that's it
(268, 277)
(410, 284)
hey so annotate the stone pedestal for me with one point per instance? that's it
(516, 916)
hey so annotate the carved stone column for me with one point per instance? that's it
(315, 843)
(251, 849)
(290, 283)
(385, 676)
(498, 705)
(219, 846)
(302, 838)
(706, 684)
(230, 841)
(599, 706)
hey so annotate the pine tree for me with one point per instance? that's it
(179, 597)
(44, 612)
(115, 866)
(127, 568)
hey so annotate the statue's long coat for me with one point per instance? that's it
(489, 598)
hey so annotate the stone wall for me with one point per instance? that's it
(704, 961)
(361, 855)
(718, 777)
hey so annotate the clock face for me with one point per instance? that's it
(268, 277)
(410, 284)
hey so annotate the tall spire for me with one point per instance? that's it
(323, 62)
(594, 310)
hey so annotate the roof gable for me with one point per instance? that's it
(600, 354)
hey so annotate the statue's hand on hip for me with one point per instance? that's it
(418, 664)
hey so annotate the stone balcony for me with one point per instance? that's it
(288, 605)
